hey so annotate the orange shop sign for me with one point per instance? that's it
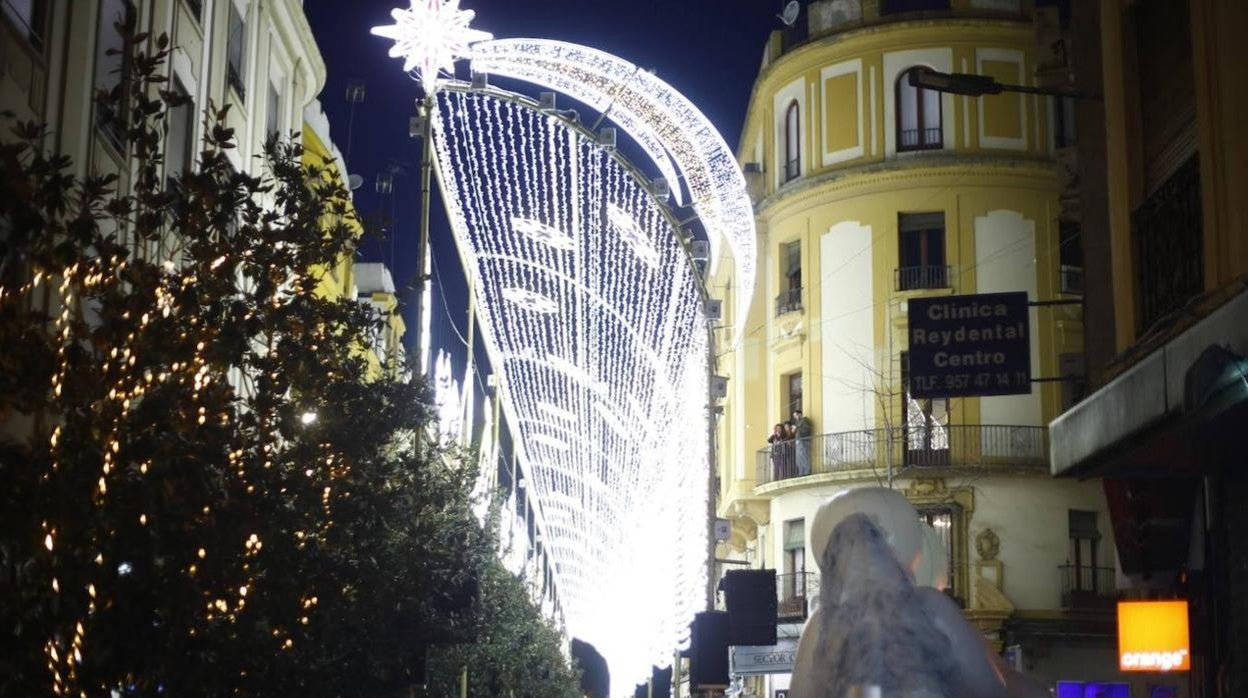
(1152, 636)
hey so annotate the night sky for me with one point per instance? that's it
(708, 49)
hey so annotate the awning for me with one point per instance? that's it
(1149, 420)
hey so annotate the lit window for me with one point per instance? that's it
(235, 51)
(112, 65)
(918, 116)
(179, 143)
(273, 115)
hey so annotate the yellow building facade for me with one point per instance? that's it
(869, 192)
(374, 286)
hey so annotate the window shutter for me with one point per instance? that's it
(795, 534)
(1083, 525)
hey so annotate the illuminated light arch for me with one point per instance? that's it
(601, 342)
(662, 121)
(542, 233)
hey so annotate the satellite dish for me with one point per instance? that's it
(791, 10)
(355, 181)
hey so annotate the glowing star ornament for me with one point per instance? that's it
(430, 37)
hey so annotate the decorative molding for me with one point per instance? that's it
(875, 136)
(896, 63)
(925, 487)
(892, 174)
(989, 597)
(850, 67)
(1003, 55)
(988, 545)
(794, 91)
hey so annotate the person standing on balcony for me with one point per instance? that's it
(804, 430)
(779, 437)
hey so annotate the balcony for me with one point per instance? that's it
(1166, 230)
(1017, 448)
(1086, 588)
(927, 276)
(789, 301)
(794, 592)
(792, 169)
(920, 139)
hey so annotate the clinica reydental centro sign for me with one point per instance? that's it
(1153, 636)
(969, 345)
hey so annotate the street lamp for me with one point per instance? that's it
(973, 85)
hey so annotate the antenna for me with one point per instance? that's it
(791, 11)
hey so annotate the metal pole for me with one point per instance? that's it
(711, 467)
(426, 175)
(466, 431)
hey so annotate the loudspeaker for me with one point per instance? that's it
(750, 597)
(708, 668)
(660, 682)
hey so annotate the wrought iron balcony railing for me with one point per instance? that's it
(979, 446)
(1169, 246)
(789, 301)
(1087, 588)
(794, 592)
(926, 276)
(792, 169)
(920, 139)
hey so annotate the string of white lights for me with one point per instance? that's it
(592, 315)
(662, 121)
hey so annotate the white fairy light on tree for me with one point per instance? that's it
(430, 37)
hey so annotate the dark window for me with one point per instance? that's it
(1073, 369)
(236, 51)
(28, 17)
(921, 251)
(1070, 251)
(1064, 134)
(924, 424)
(890, 7)
(197, 8)
(1084, 539)
(792, 393)
(793, 265)
(792, 142)
(112, 66)
(790, 298)
(179, 142)
(1167, 93)
(1070, 256)
(273, 114)
(795, 546)
(792, 581)
(919, 125)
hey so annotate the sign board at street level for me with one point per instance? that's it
(962, 346)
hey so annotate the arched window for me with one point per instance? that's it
(918, 116)
(792, 142)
